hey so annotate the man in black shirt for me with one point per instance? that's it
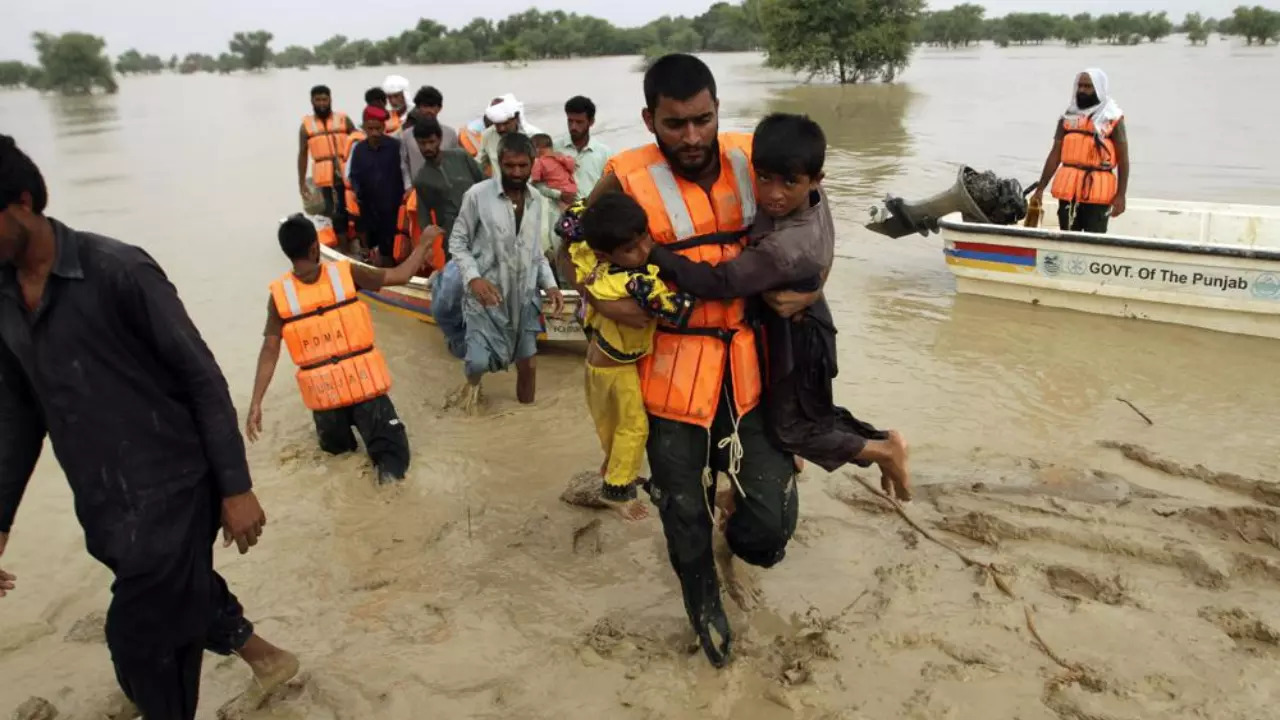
(98, 353)
(374, 173)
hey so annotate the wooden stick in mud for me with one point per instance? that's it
(1135, 409)
(968, 561)
(1031, 625)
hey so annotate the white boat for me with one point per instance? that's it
(1207, 265)
(414, 300)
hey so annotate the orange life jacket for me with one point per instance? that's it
(353, 206)
(683, 378)
(324, 230)
(1087, 174)
(329, 334)
(394, 123)
(327, 143)
(408, 235)
(469, 140)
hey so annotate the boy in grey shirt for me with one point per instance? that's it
(791, 246)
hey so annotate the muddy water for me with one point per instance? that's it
(465, 592)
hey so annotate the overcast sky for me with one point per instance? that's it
(167, 28)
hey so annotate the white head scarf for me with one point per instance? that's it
(1106, 113)
(395, 84)
(505, 110)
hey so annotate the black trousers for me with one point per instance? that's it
(168, 605)
(383, 434)
(1089, 218)
(759, 529)
(335, 206)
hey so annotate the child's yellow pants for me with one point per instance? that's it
(617, 407)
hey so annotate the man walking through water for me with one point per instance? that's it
(97, 352)
(1089, 160)
(702, 384)
(486, 300)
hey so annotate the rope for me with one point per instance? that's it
(734, 444)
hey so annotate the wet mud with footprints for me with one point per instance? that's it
(1011, 587)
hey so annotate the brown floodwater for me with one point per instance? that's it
(462, 592)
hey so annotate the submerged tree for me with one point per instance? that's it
(73, 63)
(1195, 29)
(133, 62)
(253, 49)
(847, 40)
(1255, 24)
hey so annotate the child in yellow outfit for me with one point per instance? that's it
(609, 244)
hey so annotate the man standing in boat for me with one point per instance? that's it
(702, 384)
(98, 354)
(1089, 160)
(314, 310)
(486, 301)
(506, 117)
(374, 173)
(323, 140)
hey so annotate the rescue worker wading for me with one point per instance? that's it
(316, 311)
(323, 139)
(702, 384)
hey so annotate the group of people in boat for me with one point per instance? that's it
(701, 259)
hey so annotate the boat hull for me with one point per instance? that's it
(1224, 286)
(414, 301)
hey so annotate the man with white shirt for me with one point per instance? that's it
(589, 154)
(506, 118)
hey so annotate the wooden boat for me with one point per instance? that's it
(1207, 265)
(414, 300)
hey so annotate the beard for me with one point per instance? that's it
(322, 113)
(511, 184)
(709, 156)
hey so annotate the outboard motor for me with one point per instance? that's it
(978, 197)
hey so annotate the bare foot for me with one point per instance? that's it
(895, 478)
(740, 586)
(630, 510)
(466, 398)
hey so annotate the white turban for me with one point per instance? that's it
(395, 84)
(505, 110)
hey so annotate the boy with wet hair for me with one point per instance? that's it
(791, 246)
(609, 243)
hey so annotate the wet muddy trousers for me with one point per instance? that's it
(168, 606)
(380, 428)
(757, 532)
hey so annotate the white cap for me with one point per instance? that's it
(395, 84)
(505, 110)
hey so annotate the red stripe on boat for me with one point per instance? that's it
(996, 249)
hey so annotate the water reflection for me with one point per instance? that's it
(866, 132)
(84, 114)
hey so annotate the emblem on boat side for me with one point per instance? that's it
(1076, 267)
(1051, 265)
(1266, 286)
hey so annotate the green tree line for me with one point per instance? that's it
(967, 24)
(845, 40)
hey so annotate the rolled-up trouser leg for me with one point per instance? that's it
(446, 307)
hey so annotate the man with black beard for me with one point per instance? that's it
(496, 246)
(702, 383)
(323, 139)
(1089, 160)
